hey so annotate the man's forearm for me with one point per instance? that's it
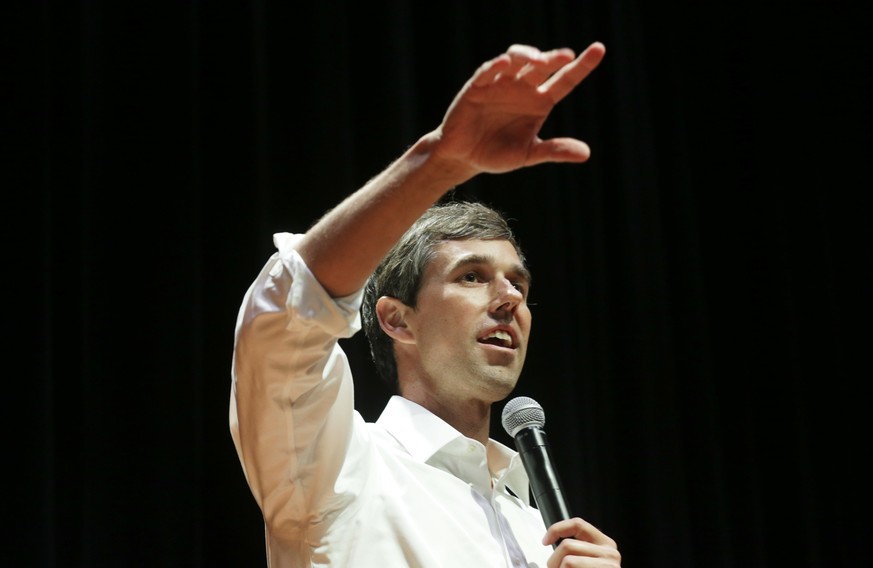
(344, 247)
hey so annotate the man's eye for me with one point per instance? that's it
(471, 277)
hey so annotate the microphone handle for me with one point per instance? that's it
(533, 446)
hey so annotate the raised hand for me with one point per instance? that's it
(493, 124)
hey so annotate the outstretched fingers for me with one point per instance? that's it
(555, 72)
(534, 66)
(568, 76)
(490, 70)
(494, 121)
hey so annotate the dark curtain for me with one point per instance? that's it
(701, 329)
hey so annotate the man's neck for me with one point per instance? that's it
(471, 418)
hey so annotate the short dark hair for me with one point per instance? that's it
(400, 272)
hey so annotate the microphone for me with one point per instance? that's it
(523, 419)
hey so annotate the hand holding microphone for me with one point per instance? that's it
(523, 419)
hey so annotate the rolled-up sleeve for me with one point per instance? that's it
(292, 400)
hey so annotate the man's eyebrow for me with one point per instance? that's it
(471, 259)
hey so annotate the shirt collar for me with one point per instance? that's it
(418, 430)
(424, 435)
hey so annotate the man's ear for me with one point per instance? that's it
(392, 315)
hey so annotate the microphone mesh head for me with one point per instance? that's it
(522, 412)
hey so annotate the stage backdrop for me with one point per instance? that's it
(701, 286)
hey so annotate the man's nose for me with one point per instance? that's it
(508, 296)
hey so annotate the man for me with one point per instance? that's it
(447, 314)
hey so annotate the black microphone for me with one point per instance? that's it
(523, 419)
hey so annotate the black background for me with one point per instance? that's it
(701, 337)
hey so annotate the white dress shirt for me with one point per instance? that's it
(407, 490)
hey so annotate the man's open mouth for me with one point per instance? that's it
(498, 337)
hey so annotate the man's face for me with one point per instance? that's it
(471, 322)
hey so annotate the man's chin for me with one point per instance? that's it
(502, 382)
